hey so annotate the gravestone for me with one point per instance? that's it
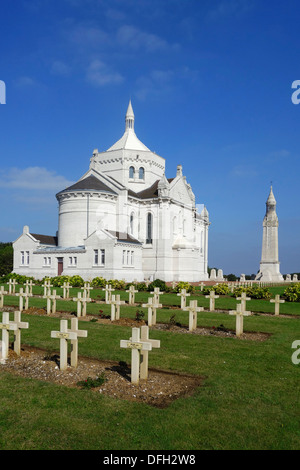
(212, 297)
(137, 347)
(81, 304)
(66, 290)
(193, 309)
(108, 293)
(132, 293)
(6, 326)
(17, 332)
(183, 295)
(74, 342)
(156, 295)
(240, 314)
(23, 296)
(155, 343)
(243, 300)
(51, 301)
(149, 306)
(64, 335)
(115, 304)
(277, 302)
(12, 286)
(2, 294)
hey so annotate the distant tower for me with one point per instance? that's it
(269, 265)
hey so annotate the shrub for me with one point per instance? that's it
(157, 283)
(220, 289)
(184, 285)
(292, 293)
(254, 292)
(99, 282)
(116, 284)
(58, 281)
(76, 281)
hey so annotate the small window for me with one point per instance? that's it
(149, 229)
(131, 223)
(141, 173)
(132, 258)
(96, 257)
(102, 257)
(131, 172)
(73, 261)
(25, 258)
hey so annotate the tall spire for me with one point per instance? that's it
(271, 199)
(129, 118)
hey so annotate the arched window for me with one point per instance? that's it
(141, 173)
(149, 229)
(131, 172)
(131, 223)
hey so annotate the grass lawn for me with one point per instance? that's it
(249, 400)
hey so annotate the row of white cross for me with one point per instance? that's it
(139, 343)
(115, 302)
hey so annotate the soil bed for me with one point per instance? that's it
(161, 388)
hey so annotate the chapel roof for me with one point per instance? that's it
(129, 140)
(89, 183)
(45, 239)
(124, 237)
(148, 193)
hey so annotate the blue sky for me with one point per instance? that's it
(210, 83)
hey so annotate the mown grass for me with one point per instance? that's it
(249, 400)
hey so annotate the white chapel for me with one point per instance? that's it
(123, 219)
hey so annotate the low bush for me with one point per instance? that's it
(292, 293)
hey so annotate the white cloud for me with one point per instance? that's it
(32, 178)
(230, 8)
(134, 38)
(60, 68)
(100, 74)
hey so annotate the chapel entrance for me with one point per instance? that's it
(60, 266)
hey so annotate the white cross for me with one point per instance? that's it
(64, 335)
(74, 342)
(144, 353)
(132, 293)
(51, 300)
(277, 302)
(115, 303)
(243, 300)
(47, 287)
(2, 293)
(149, 305)
(240, 314)
(86, 289)
(183, 294)
(193, 309)
(201, 286)
(136, 346)
(12, 286)
(212, 296)
(155, 306)
(6, 326)
(66, 290)
(81, 304)
(20, 325)
(28, 286)
(156, 294)
(23, 295)
(108, 290)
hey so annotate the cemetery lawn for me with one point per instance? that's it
(249, 398)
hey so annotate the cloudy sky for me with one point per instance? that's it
(211, 87)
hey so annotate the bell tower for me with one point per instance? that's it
(269, 265)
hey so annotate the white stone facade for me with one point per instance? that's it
(123, 219)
